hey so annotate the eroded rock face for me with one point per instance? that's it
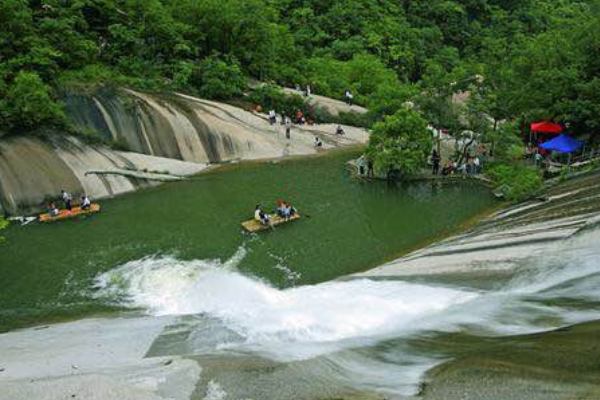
(165, 132)
(33, 172)
(182, 127)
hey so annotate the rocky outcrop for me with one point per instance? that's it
(33, 171)
(167, 132)
(186, 128)
(331, 106)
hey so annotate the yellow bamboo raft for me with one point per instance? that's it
(66, 214)
(254, 226)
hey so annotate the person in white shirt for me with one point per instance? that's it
(349, 97)
(86, 203)
(67, 198)
(260, 216)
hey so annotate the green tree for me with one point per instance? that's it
(219, 79)
(28, 104)
(400, 144)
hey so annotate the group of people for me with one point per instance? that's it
(284, 210)
(535, 153)
(67, 199)
(472, 166)
(307, 91)
(300, 119)
(365, 166)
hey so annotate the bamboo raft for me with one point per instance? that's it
(254, 226)
(66, 214)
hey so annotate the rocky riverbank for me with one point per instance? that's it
(168, 135)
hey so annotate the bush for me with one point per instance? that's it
(353, 119)
(273, 98)
(388, 99)
(364, 74)
(518, 182)
(400, 144)
(92, 76)
(508, 144)
(28, 105)
(218, 79)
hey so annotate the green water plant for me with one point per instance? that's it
(518, 182)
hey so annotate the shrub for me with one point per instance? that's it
(508, 144)
(273, 98)
(219, 79)
(353, 119)
(28, 104)
(400, 144)
(518, 182)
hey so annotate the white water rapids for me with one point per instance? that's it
(337, 319)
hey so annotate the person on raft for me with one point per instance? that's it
(285, 209)
(261, 217)
(280, 210)
(53, 210)
(67, 198)
(86, 203)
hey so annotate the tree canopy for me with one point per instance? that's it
(400, 144)
(538, 58)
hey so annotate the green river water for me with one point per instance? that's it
(46, 271)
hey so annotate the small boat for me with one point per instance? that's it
(253, 225)
(66, 214)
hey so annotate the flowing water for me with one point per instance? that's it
(359, 334)
(47, 270)
(264, 316)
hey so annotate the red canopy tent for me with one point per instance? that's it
(546, 127)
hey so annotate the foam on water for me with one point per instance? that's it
(344, 321)
(264, 316)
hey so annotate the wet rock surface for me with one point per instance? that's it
(509, 235)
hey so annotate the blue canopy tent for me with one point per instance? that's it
(562, 144)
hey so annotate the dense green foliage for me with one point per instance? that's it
(517, 182)
(400, 144)
(538, 57)
(27, 104)
(273, 98)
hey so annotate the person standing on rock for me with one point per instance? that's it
(435, 162)
(272, 117)
(349, 97)
(288, 128)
